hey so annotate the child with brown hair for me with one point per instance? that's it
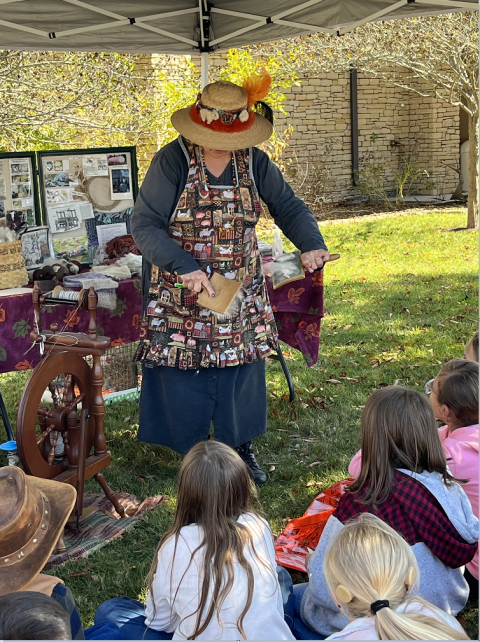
(405, 482)
(213, 576)
(454, 398)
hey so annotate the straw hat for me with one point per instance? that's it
(33, 512)
(223, 116)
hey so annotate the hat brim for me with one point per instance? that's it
(61, 498)
(259, 132)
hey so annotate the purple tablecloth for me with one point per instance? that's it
(122, 325)
(298, 309)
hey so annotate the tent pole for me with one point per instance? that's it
(204, 68)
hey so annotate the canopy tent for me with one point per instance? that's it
(190, 26)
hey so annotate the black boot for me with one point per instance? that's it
(256, 473)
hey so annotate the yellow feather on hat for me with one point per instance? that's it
(257, 87)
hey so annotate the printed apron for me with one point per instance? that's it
(216, 225)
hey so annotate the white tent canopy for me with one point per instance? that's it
(190, 26)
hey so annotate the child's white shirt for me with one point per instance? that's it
(178, 580)
(364, 628)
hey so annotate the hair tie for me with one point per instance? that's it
(378, 605)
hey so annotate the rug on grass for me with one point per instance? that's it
(103, 525)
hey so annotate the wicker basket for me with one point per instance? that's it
(13, 273)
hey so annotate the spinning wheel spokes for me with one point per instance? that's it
(43, 423)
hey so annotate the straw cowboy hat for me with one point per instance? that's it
(33, 513)
(226, 116)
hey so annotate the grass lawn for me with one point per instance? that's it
(402, 300)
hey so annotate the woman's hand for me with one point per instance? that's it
(194, 281)
(314, 259)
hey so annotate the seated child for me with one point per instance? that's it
(33, 616)
(27, 541)
(213, 576)
(404, 480)
(370, 571)
(454, 398)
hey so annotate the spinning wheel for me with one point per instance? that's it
(68, 379)
(63, 401)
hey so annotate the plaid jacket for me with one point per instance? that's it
(417, 515)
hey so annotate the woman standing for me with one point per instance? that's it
(195, 216)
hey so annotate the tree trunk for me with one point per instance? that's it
(473, 171)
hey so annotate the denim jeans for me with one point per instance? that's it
(126, 615)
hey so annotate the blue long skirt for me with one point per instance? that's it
(177, 407)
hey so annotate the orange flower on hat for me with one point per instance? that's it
(317, 278)
(294, 295)
(118, 342)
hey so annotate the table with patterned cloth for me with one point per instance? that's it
(122, 324)
(298, 310)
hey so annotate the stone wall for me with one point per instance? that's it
(392, 123)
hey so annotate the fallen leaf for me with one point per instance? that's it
(431, 351)
(347, 327)
(303, 405)
(310, 484)
(126, 419)
(453, 321)
(314, 463)
(335, 381)
(294, 436)
(271, 469)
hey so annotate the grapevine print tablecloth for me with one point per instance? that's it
(122, 325)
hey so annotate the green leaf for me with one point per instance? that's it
(3, 354)
(21, 328)
(100, 331)
(119, 309)
(313, 311)
(308, 357)
(137, 284)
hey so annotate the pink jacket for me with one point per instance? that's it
(461, 449)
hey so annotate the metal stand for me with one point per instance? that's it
(6, 420)
(279, 357)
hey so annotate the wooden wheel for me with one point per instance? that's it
(68, 377)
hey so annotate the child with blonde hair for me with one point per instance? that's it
(403, 480)
(213, 576)
(370, 571)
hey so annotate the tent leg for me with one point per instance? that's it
(204, 68)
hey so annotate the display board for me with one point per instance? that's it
(18, 189)
(87, 197)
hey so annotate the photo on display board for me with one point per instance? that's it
(117, 160)
(19, 167)
(120, 184)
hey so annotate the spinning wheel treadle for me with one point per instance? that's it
(75, 408)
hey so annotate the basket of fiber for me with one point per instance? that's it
(13, 273)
